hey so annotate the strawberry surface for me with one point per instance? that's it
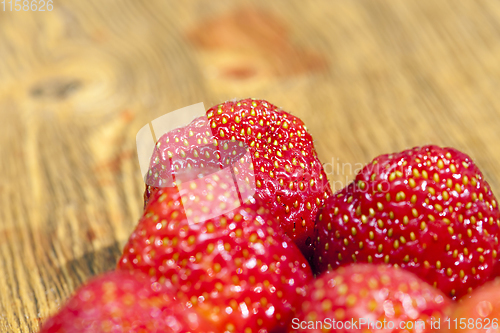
(428, 210)
(286, 172)
(239, 270)
(370, 298)
(479, 313)
(123, 302)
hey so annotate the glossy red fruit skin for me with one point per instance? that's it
(289, 176)
(239, 270)
(373, 292)
(480, 312)
(124, 302)
(439, 221)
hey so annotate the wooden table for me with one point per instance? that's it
(78, 82)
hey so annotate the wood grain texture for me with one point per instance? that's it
(76, 84)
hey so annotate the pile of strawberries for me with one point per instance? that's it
(242, 233)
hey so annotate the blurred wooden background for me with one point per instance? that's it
(76, 84)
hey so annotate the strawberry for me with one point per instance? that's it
(479, 313)
(288, 177)
(370, 298)
(238, 269)
(124, 302)
(428, 210)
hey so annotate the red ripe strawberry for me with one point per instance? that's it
(479, 313)
(239, 270)
(427, 209)
(370, 298)
(289, 178)
(124, 302)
